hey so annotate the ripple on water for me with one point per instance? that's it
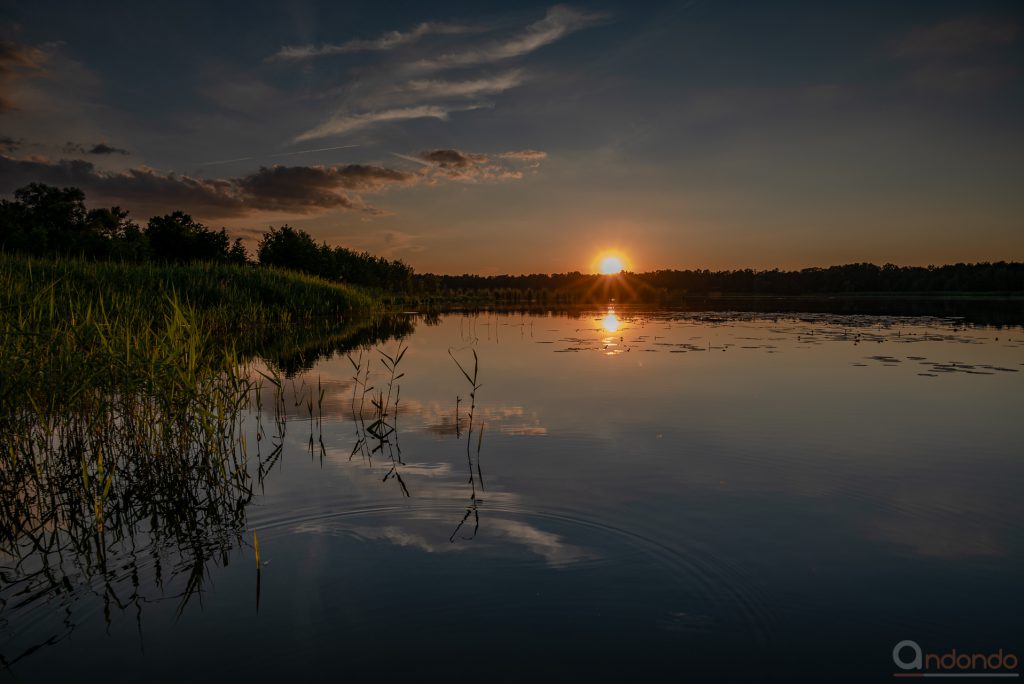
(699, 589)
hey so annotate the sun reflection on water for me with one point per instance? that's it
(611, 323)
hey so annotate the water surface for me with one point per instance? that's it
(708, 496)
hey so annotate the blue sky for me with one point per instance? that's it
(492, 137)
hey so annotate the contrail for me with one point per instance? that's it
(319, 149)
(412, 159)
(225, 161)
(279, 154)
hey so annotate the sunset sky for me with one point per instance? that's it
(530, 137)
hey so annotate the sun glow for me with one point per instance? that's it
(610, 264)
(611, 323)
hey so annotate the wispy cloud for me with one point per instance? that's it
(524, 155)
(489, 85)
(346, 123)
(427, 91)
(385, 97)
(560, 21)
(279, 154)
(15, 56)
(956, 37)
(386, 41)
(17, 61)
(959, 56)
(953, 79)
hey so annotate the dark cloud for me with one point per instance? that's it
(295, 189)
(285, 189)
(310, 188)
(9, 144)
(452, 158)
(98, 148)
(103, 148)
(468, 166)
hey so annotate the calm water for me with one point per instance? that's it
(673, 497)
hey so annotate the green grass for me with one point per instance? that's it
(226, 295)
(72, 325)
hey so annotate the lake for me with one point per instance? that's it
(625, 494)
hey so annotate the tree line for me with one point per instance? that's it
(1001, 276)
(44, 220)
(48, 221)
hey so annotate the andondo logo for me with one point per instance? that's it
(913, 661)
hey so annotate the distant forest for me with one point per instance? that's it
(49, 221)
(1000, 277)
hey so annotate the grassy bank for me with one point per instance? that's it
(225, 295)
(70, 325)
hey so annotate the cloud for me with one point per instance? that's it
(98, 148)
(452, 158)
(347, 123)
(551, 547)
(9, 144)
(956, 37)
(304, 189)
(958, 57)
(434, 91)
(17, 61)
(14, 56)
(479, 86)
(524, 155)
(386, 41)
(292, 189)
(946, 79)
(560, 21)
(423, 98)
(278, 188)
(473, 167)
(103, 148)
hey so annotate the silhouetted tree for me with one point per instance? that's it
(286, 247)
(45, 219)
(237, 253)
(177, 237)
(115, 236)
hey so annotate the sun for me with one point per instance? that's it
(610, 264)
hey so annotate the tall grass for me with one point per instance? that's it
(227, 295)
